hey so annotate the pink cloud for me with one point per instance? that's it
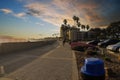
(46, 12)
(57, 10)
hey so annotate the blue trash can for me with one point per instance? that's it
(93, 69)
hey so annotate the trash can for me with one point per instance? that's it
(93, 69)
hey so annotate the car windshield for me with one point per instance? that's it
(107, 40)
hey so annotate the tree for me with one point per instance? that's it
(97, 32)
(78, 24)
(103, 34)
(114, 30)
(87, 27)
(83, 27)
(74, 18)
(65, 28)
(65, 21)
(77, 19)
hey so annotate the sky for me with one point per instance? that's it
(25, 19)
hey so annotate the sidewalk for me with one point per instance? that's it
(58, 64)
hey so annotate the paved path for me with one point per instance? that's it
(58, 64)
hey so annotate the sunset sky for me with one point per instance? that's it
(41, 18)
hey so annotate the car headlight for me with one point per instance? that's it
(109, 47)
(99, 44)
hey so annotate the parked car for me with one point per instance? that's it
(93, 42)
(80, 46)
(114, 47)
(92, 51)
(108, 42)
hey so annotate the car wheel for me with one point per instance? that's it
(117, 49)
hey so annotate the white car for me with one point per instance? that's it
(114, 47)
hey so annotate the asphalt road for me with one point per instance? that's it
(14, 61)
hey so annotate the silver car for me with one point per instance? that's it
(114, 47)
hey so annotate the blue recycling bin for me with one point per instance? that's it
(93, 69)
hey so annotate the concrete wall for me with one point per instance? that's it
(21, 46)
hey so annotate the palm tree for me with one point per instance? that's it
(78, 24)
(65, 21)
(64, 29)
(77, 19)
(74, 18)
(83, 27)
(87, 27)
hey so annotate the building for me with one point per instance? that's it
(82, 35)
(86, 35)
(74, 34)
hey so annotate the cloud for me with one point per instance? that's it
(56, 31)
(6, 11)
(57, 10)
(47, 13)
(92, 12)
(92, 16)
(22, 14)
(5, 38)
(33, 12)
(27, 1)
(41, 24)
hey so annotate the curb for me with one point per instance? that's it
(74, 67)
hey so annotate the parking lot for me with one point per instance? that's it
(84, 50)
